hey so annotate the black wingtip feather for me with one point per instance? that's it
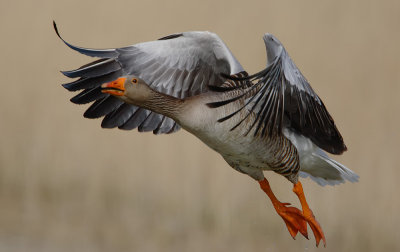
(88, 95)
(56, 29)
(68, 74)
(68, 86)
(102, 107)
(94, 69)
(102, 53)
(172, 36)
(90, 83)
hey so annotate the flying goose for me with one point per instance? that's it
(271, 120)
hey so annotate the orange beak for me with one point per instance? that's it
(116, 87)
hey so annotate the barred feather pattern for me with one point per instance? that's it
(239, 91)
(286, 159)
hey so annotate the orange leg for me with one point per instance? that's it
(292, 216)
(308, 214)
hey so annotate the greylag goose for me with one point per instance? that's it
(271, 120)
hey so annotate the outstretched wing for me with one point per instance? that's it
(180, 65)
(283, 98)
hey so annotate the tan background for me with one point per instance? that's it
(68, 185)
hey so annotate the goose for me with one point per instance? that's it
(269, 121)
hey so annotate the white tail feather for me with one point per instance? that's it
(326, 171)
(317, 165)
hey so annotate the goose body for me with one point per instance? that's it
(271, 120)
(244, 153)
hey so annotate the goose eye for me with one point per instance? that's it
(134, 80)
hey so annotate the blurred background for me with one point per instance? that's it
(66, 184)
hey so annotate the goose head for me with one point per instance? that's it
(130, 89)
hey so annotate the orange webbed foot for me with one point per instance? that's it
(308, 215)
(315, 227)
(293, 217)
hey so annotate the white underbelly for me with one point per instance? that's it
(233, 145)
